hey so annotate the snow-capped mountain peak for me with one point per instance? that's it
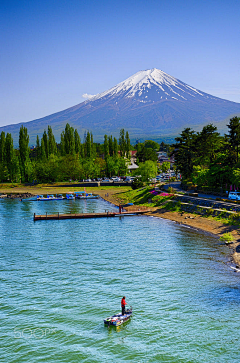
(151, 86)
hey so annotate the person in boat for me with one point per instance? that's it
(123, 304)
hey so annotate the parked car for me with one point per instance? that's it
(234, 195)
(129, 178)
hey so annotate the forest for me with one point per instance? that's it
(207, 159)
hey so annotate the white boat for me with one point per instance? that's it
(50, 197)
(47, 198)
(84, 195)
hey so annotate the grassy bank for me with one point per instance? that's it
(56, 188)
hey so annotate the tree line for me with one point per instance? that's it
(208, 159)
(70, 159)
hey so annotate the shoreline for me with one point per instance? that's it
(196, 222)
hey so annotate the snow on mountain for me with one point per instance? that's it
(150, 86)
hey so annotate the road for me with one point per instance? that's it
(177, 185)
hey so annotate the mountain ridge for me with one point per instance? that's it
(150, 103)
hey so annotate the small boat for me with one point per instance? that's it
(70, 196)
(84, 195)
(48, 197)
(118, 319)
(59, 197)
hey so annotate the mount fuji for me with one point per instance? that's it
(149, 104)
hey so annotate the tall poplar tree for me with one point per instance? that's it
(10, 156)
(106, 147)
(44, 144)
(69, 142)
(38, 148)
(122, 142)
(88, 145)
(2, 147)
(23, 151)
(77, 141)
(52, 146)
(127, 145)
(110, 144)
(115, 146)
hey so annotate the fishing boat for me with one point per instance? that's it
(84, 195)
(118, 319)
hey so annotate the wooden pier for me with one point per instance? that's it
(86, 215)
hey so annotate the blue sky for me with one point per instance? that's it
(54, 51)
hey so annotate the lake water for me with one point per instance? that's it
(60, 279)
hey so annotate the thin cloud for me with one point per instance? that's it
(87, 96)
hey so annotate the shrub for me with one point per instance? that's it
(137, 183)
(226, 237)
(161, 198)
(210, 212)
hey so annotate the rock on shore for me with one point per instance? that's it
(18, 195)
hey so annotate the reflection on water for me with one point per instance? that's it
(60, 279)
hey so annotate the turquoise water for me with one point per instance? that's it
(60, 279)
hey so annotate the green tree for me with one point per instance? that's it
(2, 147)
(151, 144)
(127, 145)
(147, 170)
(10, 156)
(110, 145)
(106, 147)
(122, 142)
(69, 142)
(77, 140)
(38, 148)
(115, 146)
(165, 166)
(185, 152)
(234, 137)
(88, 145)
(52, 146)
(44, 144)
(43, 149)
(144, 153)
(62, 144)
(207, 145)
(23, 152)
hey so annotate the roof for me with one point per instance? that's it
(133, 166)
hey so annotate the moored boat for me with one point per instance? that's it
(59, 197)
(70, 196)
(84, 195)
(118, 319)
(48, 197)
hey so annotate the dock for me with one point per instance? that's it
(59, 216)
